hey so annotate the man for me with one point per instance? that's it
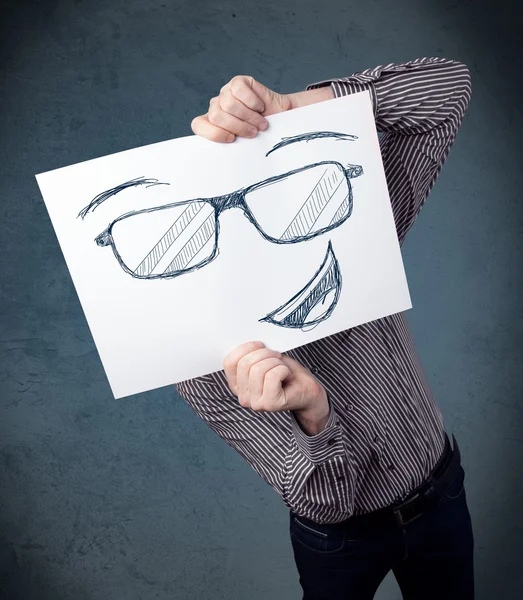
(345, 429)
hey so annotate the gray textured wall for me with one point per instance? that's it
(137, 499)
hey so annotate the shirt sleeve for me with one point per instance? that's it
(322, 446)
(418, 107)
(310, 473)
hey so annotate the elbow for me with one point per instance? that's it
(463, 86)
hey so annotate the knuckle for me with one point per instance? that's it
(236, 79)
(214, 117)
(237, 83)
(242, 363)
(227, 103)
(243, 401)
(256, 370)
(271, 376)
(236, 88)
(251, 120)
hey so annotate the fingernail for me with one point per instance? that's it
(230, 138)
(264, 126)
(252, 132)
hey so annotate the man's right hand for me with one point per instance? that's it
(239, 110)
(266, 380)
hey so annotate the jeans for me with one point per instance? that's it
(431, 557)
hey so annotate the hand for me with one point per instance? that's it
(239, 109)
(266, 380)
(242, 104)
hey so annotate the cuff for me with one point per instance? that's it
(323, 446)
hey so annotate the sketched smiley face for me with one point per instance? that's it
(175, 239)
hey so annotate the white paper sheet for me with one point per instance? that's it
(154, 332)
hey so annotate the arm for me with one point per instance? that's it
(418, 106)
(276, 447)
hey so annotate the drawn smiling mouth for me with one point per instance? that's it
(315, 302)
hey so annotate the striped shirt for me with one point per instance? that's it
(385, 432)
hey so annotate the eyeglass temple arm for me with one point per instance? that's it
(104, 239)
(353, 171)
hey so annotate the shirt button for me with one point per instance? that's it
(331, 441)
(315, 370)
(350, 406)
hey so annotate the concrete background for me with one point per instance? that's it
(137, 499)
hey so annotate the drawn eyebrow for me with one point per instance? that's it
(306, 137)
(103, 196)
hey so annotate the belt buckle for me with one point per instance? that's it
(400, 520)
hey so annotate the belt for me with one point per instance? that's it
(423, 498)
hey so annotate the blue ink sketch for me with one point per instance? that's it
(315, 302)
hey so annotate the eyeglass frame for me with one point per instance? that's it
(225, 202)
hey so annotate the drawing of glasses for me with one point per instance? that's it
(174, 239)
